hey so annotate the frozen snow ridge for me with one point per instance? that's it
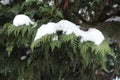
(22, 19)
(93, 35)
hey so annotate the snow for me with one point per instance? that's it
(116, 19)
(85, 13)
(88, 18)
(80, 21)
(68, 32)
(45, 29)
(93, 12)
(55, 38)
(117, 78)
(5, 2)
(108, 14)
(68, 27)
(51, 3)
(93, 35)
(22, 19)
(34, 0)
(80, 10)
(85, 9)
(23, 57)
(114, 6)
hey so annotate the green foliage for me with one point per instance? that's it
(52, 57)
(70, 48)
(9, 48)
(18, 36)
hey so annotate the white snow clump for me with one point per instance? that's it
(93, 35)
(45, 29)
(68, 27)
(22, 19)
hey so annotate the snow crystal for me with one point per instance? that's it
(22, 19)
(45, 29)
(5, 2)
(116, 19)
